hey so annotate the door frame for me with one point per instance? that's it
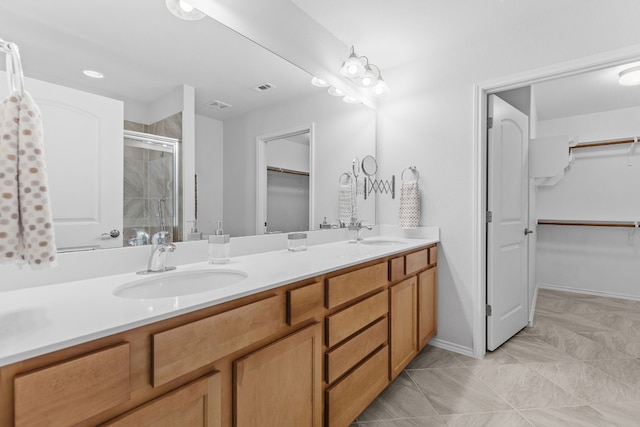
(261, 171)
(481, 91)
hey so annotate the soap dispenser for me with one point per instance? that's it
(194, 234)
(219, 246)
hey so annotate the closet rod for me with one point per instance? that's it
(629, 224)
(289, 171)
(602, 143)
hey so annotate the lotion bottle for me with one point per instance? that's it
(219, 247)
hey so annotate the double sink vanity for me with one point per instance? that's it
(271, 339)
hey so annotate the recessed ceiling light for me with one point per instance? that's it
(630, 76)
(93, 74)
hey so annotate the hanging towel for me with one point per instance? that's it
(346, 203)
(26, 223)
(409, 204)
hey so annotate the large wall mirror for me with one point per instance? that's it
(196, 82)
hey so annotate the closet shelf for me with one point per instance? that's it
(583, 223)
(289, 171)
(603, 143)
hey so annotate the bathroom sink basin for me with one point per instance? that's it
(382, 242)
(166, 285)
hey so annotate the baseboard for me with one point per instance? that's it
(532, 308)
(456, 348)
(585, 291)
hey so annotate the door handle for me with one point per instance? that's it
(112, 234)
(527, 231)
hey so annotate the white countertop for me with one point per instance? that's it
(39, 320)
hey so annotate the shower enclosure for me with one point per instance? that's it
(151, 187)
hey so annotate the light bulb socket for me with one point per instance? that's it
(353, 66)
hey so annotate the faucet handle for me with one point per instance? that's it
(160, 237)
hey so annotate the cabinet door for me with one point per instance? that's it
(195, 404)
(280, 385)
(427, 306)
(404, 318)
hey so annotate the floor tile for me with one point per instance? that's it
(620, 414)
(573, 322)
(401, 399)
(580, 347)
(626, 371)
(486, 419)
(434, 357)
(627, 342)
(524, 388)
(577, 416)
(587, 383)
(531, 350)
(497, 357)
(457, 391)
(408, 422)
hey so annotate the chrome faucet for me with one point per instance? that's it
(358, 226)
(159, 248)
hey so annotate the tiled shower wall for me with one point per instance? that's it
(147, 178)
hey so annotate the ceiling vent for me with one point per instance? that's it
(264, 87)
(218, 105)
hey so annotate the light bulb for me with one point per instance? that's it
(319, 82)
(335, 91)
(352, 67)
(381, 88)
(369, 78)
(350, 99)
(187, 7)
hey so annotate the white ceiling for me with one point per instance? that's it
(395, 33)
(145, 53)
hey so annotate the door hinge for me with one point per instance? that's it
(489, 216)
(489, 122)
(488, 310)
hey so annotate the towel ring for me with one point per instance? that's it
(414, 171)
(348, 180)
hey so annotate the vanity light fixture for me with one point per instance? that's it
(350, 99)
(353, 66)
(93, 74)
(364, 74)
(630, 76)
(183, 9)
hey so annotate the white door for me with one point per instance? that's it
(507, 192)
(83, 147)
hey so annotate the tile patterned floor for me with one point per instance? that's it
(579, 365)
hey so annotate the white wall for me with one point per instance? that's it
(600, 185)
(341, 132)
(428, 121)
(288, 154)
(208, 165)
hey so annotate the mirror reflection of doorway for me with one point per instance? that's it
(287, 160)
(285, 181)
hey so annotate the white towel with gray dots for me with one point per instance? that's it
(346, 203)
(26, 223)
(409, 204)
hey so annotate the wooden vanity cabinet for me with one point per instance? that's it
(196, 404)
(312, 353)
(281, 384)
(403, 333)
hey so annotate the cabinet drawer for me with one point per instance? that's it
(346, 322)
(433, 255)
(351, 395)
(396, 268)
(304, 302)
(348, 286)
(181, 350)
(72, 391)
(417, 261)
(347, 355)
(195, 404)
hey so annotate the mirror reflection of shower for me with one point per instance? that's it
(151, 194)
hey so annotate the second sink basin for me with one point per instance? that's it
(166, 285)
